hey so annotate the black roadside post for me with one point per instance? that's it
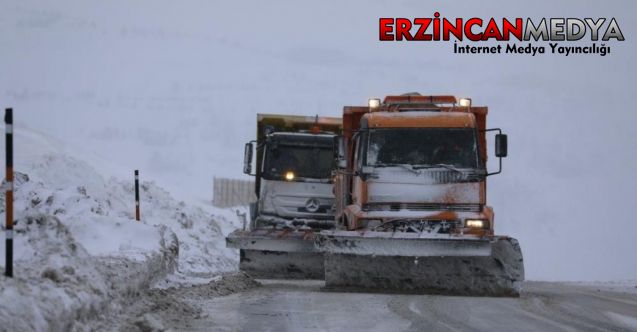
(137, 217)
(8, 120)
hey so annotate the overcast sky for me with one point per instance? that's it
(173, 88)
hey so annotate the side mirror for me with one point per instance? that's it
(339, 152)
(247, 158)
(500, 148)
(500, 145)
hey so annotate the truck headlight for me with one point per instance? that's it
(373, 103)
(465, 102)
(289, 175)
(475, 223)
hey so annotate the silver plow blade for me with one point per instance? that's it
(448, 268)
(264, 264)
(277, 254)
(399, 244)
(272, 240)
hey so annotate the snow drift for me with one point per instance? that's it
(78, 248)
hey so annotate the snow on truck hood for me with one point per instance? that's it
(393, 184)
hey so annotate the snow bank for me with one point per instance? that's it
(58, 289)
(78, 248)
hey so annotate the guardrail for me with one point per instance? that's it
(232, 192)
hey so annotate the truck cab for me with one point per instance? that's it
(417, 164)
(296, 181)
(293, 185)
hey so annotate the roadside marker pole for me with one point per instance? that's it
(137, 217)
(8, 120)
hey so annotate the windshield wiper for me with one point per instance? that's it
(405, 166)
(383, 165)
(447, 166)
(415, 168)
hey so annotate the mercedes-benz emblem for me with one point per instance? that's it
(312, 205)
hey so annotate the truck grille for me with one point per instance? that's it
(419, 226)
(447, 176)
(421, 207)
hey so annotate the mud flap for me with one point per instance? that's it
(498, 274)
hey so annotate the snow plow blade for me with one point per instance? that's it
(383, 261)
(277, 254)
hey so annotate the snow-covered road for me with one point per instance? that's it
(304, 306)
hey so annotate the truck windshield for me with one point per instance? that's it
(423, 147)
(305, 161)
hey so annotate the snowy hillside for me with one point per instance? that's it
(76, 237)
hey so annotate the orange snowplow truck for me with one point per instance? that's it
(411, 196)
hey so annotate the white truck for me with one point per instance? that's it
(293, 185)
